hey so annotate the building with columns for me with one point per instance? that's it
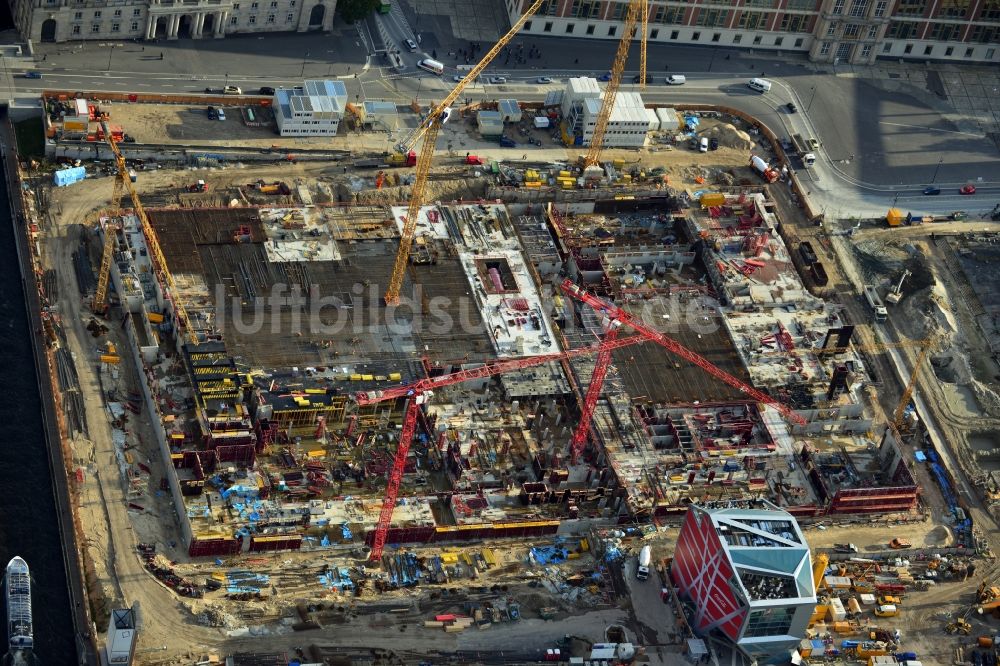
(835, 31)
(66, 20)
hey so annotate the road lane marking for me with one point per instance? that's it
(931, 129)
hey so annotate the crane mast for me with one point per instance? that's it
(601, 365)
(614, 312)
(897, 417)
(429, 129)
(642, 46)
(99, 304)
(418, 391)
(635, 8)
(152, 242)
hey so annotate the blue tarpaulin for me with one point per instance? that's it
(65, 177)
(547, 555)
(920, 457)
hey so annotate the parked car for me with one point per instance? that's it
(32, 75)
(265, 90)
(543, 79)
(791, 107)
(967, 189)
(676, 80)
(638, 79)
(458, 78)
(932, 191)
(222, 114)
(232, 90)
(605, 77)
(713, 143)
(703, 145)
(213, 114)
(498, 79)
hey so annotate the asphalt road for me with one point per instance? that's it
(878, 147)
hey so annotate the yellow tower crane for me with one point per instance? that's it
(152, 242)
(429, 128)
(100, 303)
(925, 346)
(897, 417)
(636, 9)
(642, 44)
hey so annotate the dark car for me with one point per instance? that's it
(265, 90)
(638, 79)
(212, 113)
(713, 143)
(605, 77)
(791, 107)
(932, 190)
(967, 189)
(32, 75)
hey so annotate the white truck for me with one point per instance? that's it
(877, 306)
(642, 566)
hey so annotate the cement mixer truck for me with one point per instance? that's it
(642, 566)
(764, 169)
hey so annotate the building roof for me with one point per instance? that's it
(584, 85)
(379, 108)
(766, 547)
(327, 98)
(509, 107)
(629, 108)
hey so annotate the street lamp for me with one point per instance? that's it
(936, 169)
(811, 98)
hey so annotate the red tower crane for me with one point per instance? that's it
(601, 365)
(418, 392)
(617, 314)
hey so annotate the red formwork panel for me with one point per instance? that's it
(213, 547)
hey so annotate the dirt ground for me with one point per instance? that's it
(113, 530)
(168, 123)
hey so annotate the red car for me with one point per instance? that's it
(967, 189)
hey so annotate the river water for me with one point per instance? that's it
(27, 507)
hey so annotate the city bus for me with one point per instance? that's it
(432, 66)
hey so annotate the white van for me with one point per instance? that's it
(760, 85)
(676, 80)
(703, 145)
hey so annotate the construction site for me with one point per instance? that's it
(368, 393)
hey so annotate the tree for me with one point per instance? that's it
(355, 10)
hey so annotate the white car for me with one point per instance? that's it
(498, 79)
(457, 78)
(676, 80)
(410, 44)
(222, 114)
(543, 79)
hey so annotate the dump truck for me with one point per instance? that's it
(898, 544)
(879, 309)
(764, 169)
(643, 562)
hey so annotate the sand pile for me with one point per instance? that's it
(729, 136)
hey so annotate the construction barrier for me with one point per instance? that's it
(167, 98)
